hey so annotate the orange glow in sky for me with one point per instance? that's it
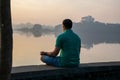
(52, 12)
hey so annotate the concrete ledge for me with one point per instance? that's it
(96, 71)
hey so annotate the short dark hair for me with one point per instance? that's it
(67, 23)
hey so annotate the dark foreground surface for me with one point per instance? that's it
(91, 71)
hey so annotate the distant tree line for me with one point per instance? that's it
(90, 31)
(37, 30)
(94, 32)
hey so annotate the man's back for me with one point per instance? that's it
(70, 44)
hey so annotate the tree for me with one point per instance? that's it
(0, 26)
(6, 40)
(87, 19)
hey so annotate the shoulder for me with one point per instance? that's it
(61, 35)
(77, 36)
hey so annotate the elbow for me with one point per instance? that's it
(54, 54)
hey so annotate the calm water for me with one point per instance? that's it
(26, 50)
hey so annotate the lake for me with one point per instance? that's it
(26, 50)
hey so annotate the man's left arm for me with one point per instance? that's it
(54, 53)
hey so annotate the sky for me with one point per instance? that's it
(52, 12)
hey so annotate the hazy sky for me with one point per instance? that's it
(52, 12)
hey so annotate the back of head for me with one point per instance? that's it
(67, 23)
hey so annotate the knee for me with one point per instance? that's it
(41, 58)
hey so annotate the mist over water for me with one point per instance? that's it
(90, 31)
(100, 41)
(32, 33)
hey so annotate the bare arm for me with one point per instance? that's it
(53, 53)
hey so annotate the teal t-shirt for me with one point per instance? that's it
(69, 44)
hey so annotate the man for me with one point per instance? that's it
(69, 44)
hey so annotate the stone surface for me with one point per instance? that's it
(96, 71)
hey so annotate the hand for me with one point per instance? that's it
(43, 53)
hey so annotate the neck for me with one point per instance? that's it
(66, 30)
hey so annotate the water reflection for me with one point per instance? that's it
(37, 30)
(91, 32)
(26, 50)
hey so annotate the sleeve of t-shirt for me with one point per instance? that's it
(58, 42)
